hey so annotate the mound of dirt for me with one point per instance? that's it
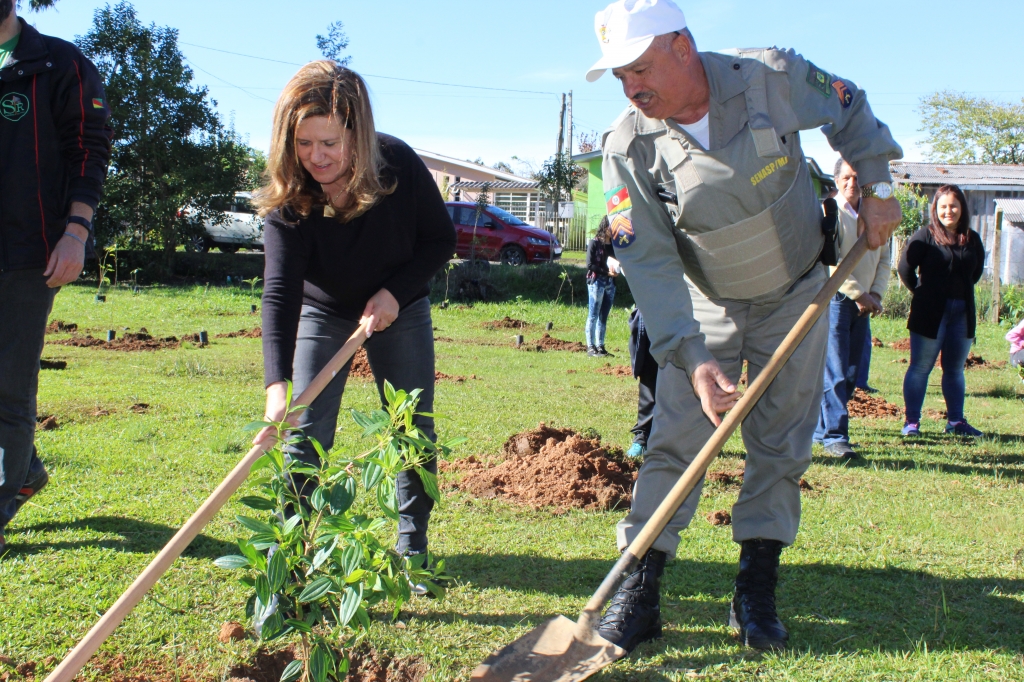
(360, 365)
(53, 364)
(619, 371)
(719, 518)
(877, 342)
(140, 408)
(443, 339)
(725, 478)
(61, 327)
(47, 422)
(256, 333)
(139, 341)
(366, 666)
(548, 342)
(549, 467)
(865, 406)
(902, 344)
(457, 378)
(506, 323)
(231, 632)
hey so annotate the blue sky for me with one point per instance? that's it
(895, 50)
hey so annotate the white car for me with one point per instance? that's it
(241, 227)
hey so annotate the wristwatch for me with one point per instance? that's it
(879, 190)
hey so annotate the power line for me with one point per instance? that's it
(238, 87)
(371, 75)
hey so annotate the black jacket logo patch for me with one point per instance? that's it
(13, 106)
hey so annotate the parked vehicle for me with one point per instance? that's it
(240, 227)
(495, 234)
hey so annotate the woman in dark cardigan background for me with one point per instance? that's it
(355, 229)
(940, 265)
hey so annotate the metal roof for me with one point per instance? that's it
(1013, 209)
(467, 184)
(462, 163)
(958, 174)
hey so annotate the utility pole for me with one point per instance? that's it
(997, 266)
(570, 123)
(558, 158)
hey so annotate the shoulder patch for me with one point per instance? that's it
(843, 92)
(622, 232)
(618, 200)
(819, 80)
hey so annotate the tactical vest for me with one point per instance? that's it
(748, 219)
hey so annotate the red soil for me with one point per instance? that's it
(619, 371)
(256, 333)
(60, 327)
(719, 518)
(867, 406)
(548, 342)
(507, 323)
(139, 341)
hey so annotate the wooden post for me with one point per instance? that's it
(997, 266)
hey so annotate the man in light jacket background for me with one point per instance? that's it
(850, 312)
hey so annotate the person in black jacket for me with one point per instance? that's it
(940, 265)
(54, 149)
(355, 229)
(600, 288)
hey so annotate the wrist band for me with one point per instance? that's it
(75, 237)
(79, 220)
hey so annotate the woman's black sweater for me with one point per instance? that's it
(397, 245)
(597, 258)
(935, 273)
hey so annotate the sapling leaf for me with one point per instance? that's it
(387, 499)
(232, 562)
(319, 663)
(429, 483)
(300, 625)
(355, 576)
(363, 617)
(351, 557)
(372, 474)
(257, 426)
(261, 463)
(317, 589)
(292, 671)
(454, 442)
(350, 602)
(319, 498)
(336, 523)
(277, 571)
(256, 560)
(343, 494)
(291, 523)
(323, 554)
(263, 590)
(389, 392)
(254, 502)
(255, 525)
(361, 419)
(319, 448)
(263, 541)
(273, 627)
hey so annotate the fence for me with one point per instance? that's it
(570, 232)
(1011, 248)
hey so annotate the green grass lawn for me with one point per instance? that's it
(909, 564)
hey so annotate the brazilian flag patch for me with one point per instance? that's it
(97, 103)
(819, 80)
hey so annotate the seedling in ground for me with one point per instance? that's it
(318, 563)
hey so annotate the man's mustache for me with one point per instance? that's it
(642, 96)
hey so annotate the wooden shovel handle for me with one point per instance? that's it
(80, 655)
(688, 481)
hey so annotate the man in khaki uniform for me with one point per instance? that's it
(849, 327)
(716, 221)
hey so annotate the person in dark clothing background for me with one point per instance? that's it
(600, 288)
(54, 149)
(940, 265)
(355, 229)
(645, 368)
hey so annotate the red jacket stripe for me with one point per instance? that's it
(39, 179)
(81, 124)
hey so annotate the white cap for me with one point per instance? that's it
(626, 28)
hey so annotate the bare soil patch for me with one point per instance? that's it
(231, 632)
(618, 371)
(865, 406)
(548, 342)
(902, 344)
(53, 364)
(877, 342)
(367, 665)
(506, 323)
(61, 327)
(719, 518)
(141, 340)
(140, 408)
(47, 422)
(549, 467)
(361, 370)
(937, 415)
(728, 477)
(256, 333)
(443, 339)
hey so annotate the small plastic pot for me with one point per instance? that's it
(519, 340)
(204, 338)
(100, 298)
(111, 335)
(253, 306)
(550, 326)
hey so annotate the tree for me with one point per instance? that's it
(170, 150)
(559, 171)
(334, 43)
(965, 129)
(589, 142)
(503, 167)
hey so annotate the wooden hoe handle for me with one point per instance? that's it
(106, 625)
(693, 474)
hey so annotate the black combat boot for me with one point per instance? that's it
(753, 605)
(634, 615)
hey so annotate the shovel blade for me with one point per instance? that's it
(554, 652)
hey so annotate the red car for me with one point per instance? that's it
(500, 236)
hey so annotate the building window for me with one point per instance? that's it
(518, 204)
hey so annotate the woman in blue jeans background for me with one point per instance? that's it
(940, 265)
(600, 288)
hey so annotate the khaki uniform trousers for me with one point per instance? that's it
(777, 433)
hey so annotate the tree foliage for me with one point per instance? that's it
(170, 149)
(915, 210)
(559, 171)
(333, 45)
(965, 129)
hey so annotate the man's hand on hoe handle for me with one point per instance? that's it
(879, 218)
(717, 394)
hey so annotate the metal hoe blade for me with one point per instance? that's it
(557, 651)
